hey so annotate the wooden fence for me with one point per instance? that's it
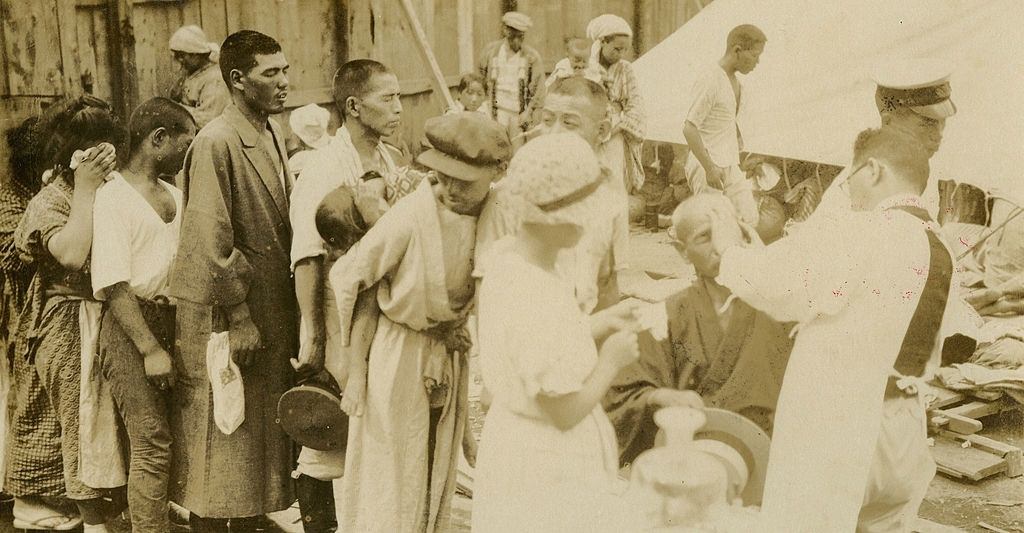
(117, 49)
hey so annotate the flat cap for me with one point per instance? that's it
(921, 85)
(468, 146)
(517, 21)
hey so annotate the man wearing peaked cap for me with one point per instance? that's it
(914, 96)
(420, 255)
(512, 71)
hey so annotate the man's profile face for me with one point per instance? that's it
(574, 114)
(749, 58)
(380, 109)
(463, 197)
(265, 86)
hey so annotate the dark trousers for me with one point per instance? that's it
(144, 409)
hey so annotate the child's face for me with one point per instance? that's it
(578, 59)
(472, 97)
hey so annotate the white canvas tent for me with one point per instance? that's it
(812, 91)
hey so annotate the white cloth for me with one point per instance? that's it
(131, 242)
(226, 384)
(606, 25)
(530, 475)
(713, 112)
(101, 447)
(854, 303)
(309, 123)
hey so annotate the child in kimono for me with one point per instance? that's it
(718, 347)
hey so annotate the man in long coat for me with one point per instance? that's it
(232, 274)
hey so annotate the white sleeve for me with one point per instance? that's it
(111, 261)
(703, 99)
(309, 190)
(813, 272)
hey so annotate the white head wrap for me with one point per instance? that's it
(606, 25)
(191, 40)
(309, 122)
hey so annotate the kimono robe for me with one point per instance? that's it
(420, 253)
(738, 368)
(235, 241)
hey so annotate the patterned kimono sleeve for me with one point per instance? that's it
(47, 213)
(634, 122)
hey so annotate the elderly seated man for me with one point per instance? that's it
(719, 347)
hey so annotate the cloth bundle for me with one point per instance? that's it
(971, 376)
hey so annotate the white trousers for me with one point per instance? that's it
(737, 188)
(901, 469)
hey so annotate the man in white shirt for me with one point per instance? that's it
(135, 237)
(870, 290)
(367, 95)
(711, 130)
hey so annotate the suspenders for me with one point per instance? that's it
(923, 332)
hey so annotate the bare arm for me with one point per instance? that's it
(125, 309)
(696, 144)
(309, 291)
(70, 246)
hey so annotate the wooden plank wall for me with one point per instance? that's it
(59, 47)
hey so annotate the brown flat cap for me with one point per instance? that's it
(468, 146)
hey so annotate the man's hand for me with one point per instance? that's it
(715, 176)
(243, 338)
(312, 354)
(159, 369)
(666, 397)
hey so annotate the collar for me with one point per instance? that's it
(250, 137)
(900, 200)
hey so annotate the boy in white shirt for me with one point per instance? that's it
(135, 236)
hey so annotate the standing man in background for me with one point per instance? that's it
(200, 89)
(513, 72)
(711, 130)
(232, 273)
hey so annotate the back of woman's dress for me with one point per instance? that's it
(532, 476)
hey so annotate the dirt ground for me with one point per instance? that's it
(997, 501)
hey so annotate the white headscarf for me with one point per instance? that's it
(191, 40)
(605, 26)
(309, 123)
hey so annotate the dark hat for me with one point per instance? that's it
(921, 85)
(311, 415)
(468, 146)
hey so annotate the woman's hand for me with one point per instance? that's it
(620, 350)
(99, 162)
(623, 316)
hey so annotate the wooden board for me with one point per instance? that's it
(965, 463)
(32, 48)
(1012, 455)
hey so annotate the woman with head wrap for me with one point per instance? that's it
(308, 123)
(201, 88)
(622, 152)
(547, 460)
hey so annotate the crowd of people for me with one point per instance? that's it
(129, 247)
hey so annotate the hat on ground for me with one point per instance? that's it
(517, 21)
(921, 85)
(191, 40)
(749, 440)
(552, 177)
(309, 123)
(467, 146)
